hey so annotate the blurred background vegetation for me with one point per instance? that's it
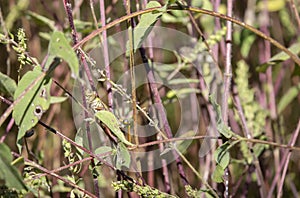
(258, 79)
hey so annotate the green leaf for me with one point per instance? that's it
(60, 47)
(42, 19)
(35, 102)
(103, 149)
(57, 99)
(143, 29)
(288, 97)
(248, 157)
(177, 81)
(110, 120)
(123, 156)
(7, 85)
(278, 58)
(217, 175)
(9, 173)
(271, 5)
(181, 93)
(247, 44)
(184, 144)
(15, 12)
(222, 128)
(103, 152)
(222, 155)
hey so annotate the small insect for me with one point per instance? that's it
(94, 101)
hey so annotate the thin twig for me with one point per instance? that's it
(248, 134)
(293, 56)
(106, 55)
(293, 141)
(68, 9)
(227, 83)
(284, 162)
(296, 13)
(161, 112)
(60, 168)
(66, 181)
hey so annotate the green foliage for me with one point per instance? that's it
(288, 97)
(222, 128)
(255, 115)
(37, 185)
(248, 157)
(218, 173)
(143, 191)
(15, 13)
(271, 5)
(59, 47)
(181, 93)
(194, 193)
(36, 101)
(278, 58)
(9, 173)
(57, 99)
(144, 27)
(7, 85)
(72, 157)
(175, 16)
(123, 156)
(110, 120)
(21, 49)
(42, 19)
(222, 157)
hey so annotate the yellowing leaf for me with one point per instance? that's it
(271, 5)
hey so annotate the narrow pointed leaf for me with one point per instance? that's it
(143, 29)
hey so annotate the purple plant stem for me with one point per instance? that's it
(161, 146)
(212, 116)
(280, 77)
(165, 169)
(227, 83)
(161, 112)
(284, 163)
(221, 44)
(279, 194)
(62, 167)
(296, 13)
(106, 55)
(265, 56)
(11, 122)
(68, 9)
(248, 134)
